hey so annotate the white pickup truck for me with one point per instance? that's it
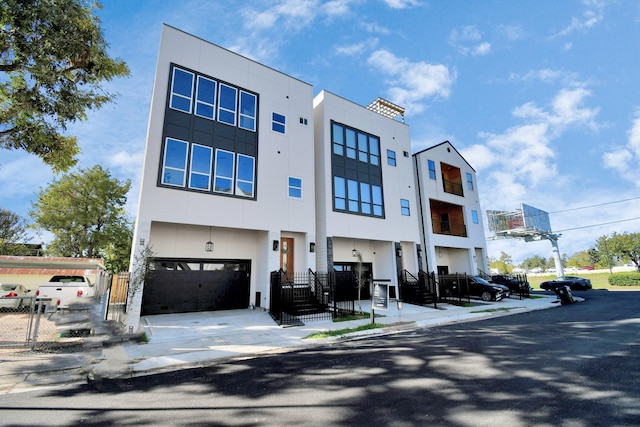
(64, 290)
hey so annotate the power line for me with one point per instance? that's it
(597, 225)
(595, 206)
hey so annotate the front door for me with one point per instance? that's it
(286, 256)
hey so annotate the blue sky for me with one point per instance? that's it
(542, 98)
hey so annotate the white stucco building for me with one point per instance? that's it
(246, 173)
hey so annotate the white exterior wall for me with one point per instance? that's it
(459, 253)
(373, 237)
(175, 223)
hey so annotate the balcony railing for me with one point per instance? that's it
(447, 227)
(452, 187)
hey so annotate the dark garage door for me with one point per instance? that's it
(180, 288)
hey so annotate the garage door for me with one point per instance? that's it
(181, 286)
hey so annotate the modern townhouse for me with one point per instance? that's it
(365, 195)
(227, 192)
(452, 230)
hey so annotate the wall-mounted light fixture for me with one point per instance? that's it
(141, 242)
(312, 247)
(275, 245)
(398, 252)
(354, 252)
(419, 253)
(439, 253)
(208, 247)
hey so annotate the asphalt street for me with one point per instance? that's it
(571, 366)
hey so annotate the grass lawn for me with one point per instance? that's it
(599, 280)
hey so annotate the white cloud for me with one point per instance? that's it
(412, 82)
(625, 160)
(511, 32)
(468, 41)
(401, 4)
(356, 48)
(590, 17)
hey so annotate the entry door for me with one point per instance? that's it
(286, 256)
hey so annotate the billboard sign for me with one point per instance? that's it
(536, 219)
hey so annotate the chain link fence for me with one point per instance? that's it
(27, 323)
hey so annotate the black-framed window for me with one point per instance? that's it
(200, 167)
(357, 197)
(391, 157)
(355, 144)
(205, 98)
(404, 207)
(469, 181)
(248, 111)
(174, 165)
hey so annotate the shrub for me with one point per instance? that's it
(625, 279)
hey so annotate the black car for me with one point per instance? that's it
(515, 285)
(574, 282)
(478, 287)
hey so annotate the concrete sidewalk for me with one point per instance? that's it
(179, 341)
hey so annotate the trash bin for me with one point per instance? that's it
(564, 293)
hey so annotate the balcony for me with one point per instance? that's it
(451, 179)
(452, 187)
(447, 218)
(448, 227)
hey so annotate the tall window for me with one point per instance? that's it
(469, 181)
(295, 187)
(374, 151)
(352, 191)
(432, 169)
(365, 198)
(224, 171)
(206, 98)
(278, 123)
(474, 216)
(181, 90)
(339, 193)
(248, 107)
(376, 192)
(246, 174)
(351, 143)
(200, 171)
(338, 139)
(227, 104)
(404, 207)
(363, 147)
(175, 162)
(391, 158)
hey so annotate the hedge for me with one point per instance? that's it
(625, 279)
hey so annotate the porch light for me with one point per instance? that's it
(312, 247)
(354, 252)
(208, 247)
(398, 252)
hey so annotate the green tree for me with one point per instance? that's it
(579, 259)
(13, 232)
(620, 248)
(53, 59)
(533, 262)
(504, 264)
(85, 213)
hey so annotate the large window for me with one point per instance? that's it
(200, 171)
(181, 90)
(357, 197)
(474, 216)
(175, 162)
(469, 181)
(213, 100)
(355, 144)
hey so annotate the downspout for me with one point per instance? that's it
(424, 234)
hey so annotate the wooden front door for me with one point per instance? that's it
(286, 256)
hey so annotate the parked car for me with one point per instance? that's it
(478, 287)
(536, 270)
(64, 290)
(512, 283)
(574, 282)
(12, 295)
(588, 267)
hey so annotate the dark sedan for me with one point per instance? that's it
(574, 282)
